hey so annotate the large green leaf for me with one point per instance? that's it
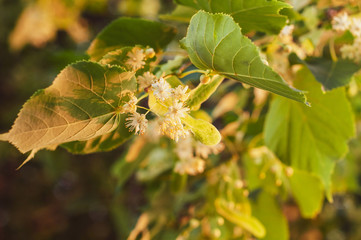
(81, 104)
(129, 32)
(310, 138)
(215, 41)
(329, 73)
(258, 15)
(267, 210)
(307, 190)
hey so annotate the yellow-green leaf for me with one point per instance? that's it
(311, 138)
(81, 104)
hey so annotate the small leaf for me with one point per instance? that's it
(246, 222)
(215, 41)
(203, 131)
(80, 105)
(202, 92)
(308, 191)
(130, 32)
(327, 72)
(311, 138)
(257, 15)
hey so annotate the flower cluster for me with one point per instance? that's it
(343, 22)
(352, 51)
(192, 155)
(173, 99)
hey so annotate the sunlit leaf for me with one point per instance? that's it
(104, 143)
(203, 131)
(258, 15)
(129, 32)
(215, 41)
(81, 104)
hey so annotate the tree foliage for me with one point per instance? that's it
(201, 129)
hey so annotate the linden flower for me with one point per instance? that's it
(203, 150)
(136, 122)
(136, 57)
(356, 27)
(131, 105)
(286, 33)
(161, 89)
(341, 22)
(176, 112)
(191, 166)
(184, 148)
(173, 129)
(146, 80)
(180, 93)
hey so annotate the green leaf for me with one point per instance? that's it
(235, 216)
(310, 138)
(257, 15)
(180, 14)
(129, 32)
(307, 190)
(267, 210)
(202, 92)
(327, 72)
(104, 143)
(81, 104)
(215, 41)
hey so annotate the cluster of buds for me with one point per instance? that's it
(192, 155)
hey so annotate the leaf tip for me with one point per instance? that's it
(4, 137)
(31, 156)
